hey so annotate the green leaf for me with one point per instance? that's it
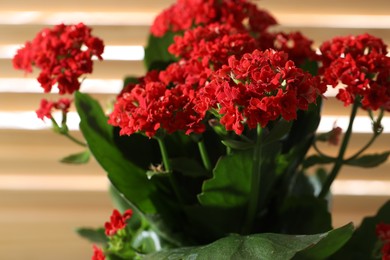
(316, 159)
(130, 79)
(93, 235)
(304, 215)
(310, 66)
(129, 179)
(188, 167)
(328, 245)
(238, 145)
(231, 183)
(78, 158)
(146, 242)
(363, 242)
(266, 246)
(280, 130)
(156, 52)
(369, 160)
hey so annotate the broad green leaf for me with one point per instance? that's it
(231, 183)
(266, 246)
(130, 79)
(298, 143)
(278, 131)
(238, 145)
(310, 66)
(328, 245)
(156, 52)
(317, 159)
(93, 235)
(123, 174)
(369, 160)
(304, 215)
(362, 245)
(303, 129)
(138, 149)
(188, 167)
(146, 242)
(77, 158)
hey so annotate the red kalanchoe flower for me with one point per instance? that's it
(117, 221)
(98, 253)
(213, 44)
(361, 65)
(63, 54)
(383, 233)
(151, 106)
(386, 251)
(258, 88)
(46, 107)
(186, 13)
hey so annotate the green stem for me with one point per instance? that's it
(63, 130)
(168, 169)
(319, 151)
(164, 155)
(74, 139)
(255, 185)
(204, 155)
(377, 132)
(364, 148)
(340, 158)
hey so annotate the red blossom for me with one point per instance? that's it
(361, 65)
(63, 54)
(383, 233)
(117, 221)
(186, 13)
(46, 107)
(147, 107)
(212, 44)
(98, 253)
(386, 251)
(258, 88)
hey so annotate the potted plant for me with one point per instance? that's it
(208, 153)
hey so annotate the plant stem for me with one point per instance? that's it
(168, 169)
(364, 148)
(319, 151)
(374, 136)
(75, 140)
(204, 155)
(63, 130)
(164, 155)
(255, 184)
(340, 158)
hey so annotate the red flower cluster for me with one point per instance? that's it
(212, 44)
(117, 221)
(46, 107)
(186, 13)
(383, 232)
(63, 54)
(150, 105)
(258, 88)
(360, 63)
(98, 254)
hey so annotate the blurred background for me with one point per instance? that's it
(43, 201)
